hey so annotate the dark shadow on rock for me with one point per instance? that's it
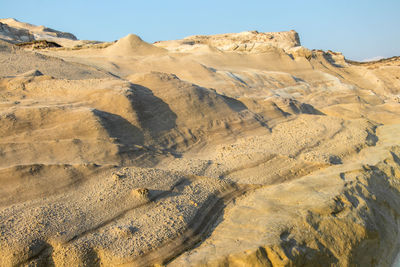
(197, 231)
(303, 108)
(297, 79)
(119, 128)
(328, 57)
(91, 258)
(277, 108)
(155, 116)
(157, 195)
(308, 256)
(352, 199)
(239, 106)
(372, 138)
(395, 158)
(234, 104)
(335, 160)
(40, 254)
(309, 109)
(381, 214)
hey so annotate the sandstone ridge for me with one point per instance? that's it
(250, 41)
(15, 31)
(242, 149)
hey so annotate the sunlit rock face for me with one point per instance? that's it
(251, 41)
(240, 149)
(15, 31)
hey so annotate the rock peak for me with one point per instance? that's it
(132, 45)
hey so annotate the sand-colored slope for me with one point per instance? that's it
(340, 216)
(132, 45)
(15, 61)
(236, 149)
(199, 112)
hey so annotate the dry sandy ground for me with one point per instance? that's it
(229, 150)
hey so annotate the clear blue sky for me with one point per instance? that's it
(359, 28)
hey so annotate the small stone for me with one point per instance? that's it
(140, 192)
(118, 176)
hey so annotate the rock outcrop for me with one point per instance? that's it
(242, 149)
(250, 42)
(132, 45)
(15, 31)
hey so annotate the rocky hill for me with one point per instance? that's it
(15, 31)
(239, 149)
(251, 41)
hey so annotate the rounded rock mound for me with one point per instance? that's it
(132, 45)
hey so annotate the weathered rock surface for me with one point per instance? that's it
(227, 150)
(15, 31)
(251, 41)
